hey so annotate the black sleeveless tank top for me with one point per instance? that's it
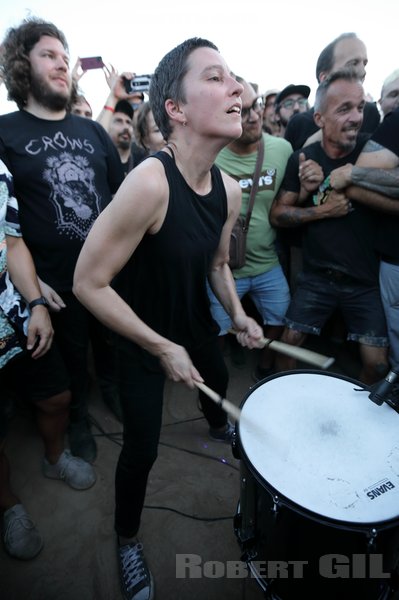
(166, 284)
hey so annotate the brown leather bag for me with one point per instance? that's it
(238, 239)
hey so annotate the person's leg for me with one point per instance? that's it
(7, 496)
(21, 539)
(141, 394)
(46, 385)
(313, 301)
(271, 296)
(72, 337)
(141, 397)
(294, 338)
(209, 361)
(389, 285)
(374, 363)
(365, 319)
(105, 364)
(223, 320)
(52, 418)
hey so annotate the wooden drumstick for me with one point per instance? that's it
(230, 408)
(308, 356)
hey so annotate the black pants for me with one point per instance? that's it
(75, 327)
(142, 398)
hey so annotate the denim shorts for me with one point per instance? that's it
(317, 296)
(269, 292)
(389, 283)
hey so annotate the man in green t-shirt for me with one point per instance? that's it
(262, 276)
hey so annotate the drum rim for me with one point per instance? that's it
(305, 512)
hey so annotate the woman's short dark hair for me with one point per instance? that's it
(167, 80)
(14, 56)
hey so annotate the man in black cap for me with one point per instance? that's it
(292, 100)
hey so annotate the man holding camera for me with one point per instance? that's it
(125, 96)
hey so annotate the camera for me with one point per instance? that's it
(140, 83)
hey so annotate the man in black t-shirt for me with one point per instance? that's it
(374, 181)
(65, 170)
(340, 266)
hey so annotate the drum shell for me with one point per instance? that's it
(269, 531)
(270, 527)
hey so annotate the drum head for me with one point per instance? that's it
(324, 446)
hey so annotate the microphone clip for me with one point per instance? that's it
(383, 389)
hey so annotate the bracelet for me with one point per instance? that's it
(109, 108)
(38, 301)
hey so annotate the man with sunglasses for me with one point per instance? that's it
(261, 277)
(292, 100)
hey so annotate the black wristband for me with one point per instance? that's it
(42, 300)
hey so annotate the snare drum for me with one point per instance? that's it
(318, 515)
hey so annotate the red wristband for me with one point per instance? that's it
(109, 108)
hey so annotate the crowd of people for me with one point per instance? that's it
(100, 218)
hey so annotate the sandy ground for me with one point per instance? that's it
(192, 475)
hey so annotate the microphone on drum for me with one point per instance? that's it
(382, 390)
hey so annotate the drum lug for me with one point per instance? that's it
(276, 504)
(372, 537)
(249, 555)
(234, 447)
(244, 522)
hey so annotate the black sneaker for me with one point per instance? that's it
(81, 440)
(136, 579)
(226, 435)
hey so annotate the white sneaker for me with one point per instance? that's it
(20, 536)
(76, 472)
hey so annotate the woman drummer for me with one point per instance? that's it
(166, 231)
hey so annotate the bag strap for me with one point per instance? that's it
(255, 182)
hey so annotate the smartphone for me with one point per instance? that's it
(140, 83)
(91, 62)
